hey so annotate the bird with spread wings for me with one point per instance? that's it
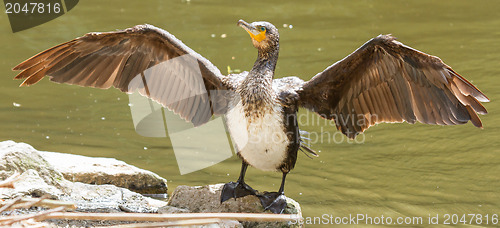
(382, 81)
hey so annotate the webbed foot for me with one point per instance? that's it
(273, 201)
(236, 190)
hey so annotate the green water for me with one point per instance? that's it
(398, 170)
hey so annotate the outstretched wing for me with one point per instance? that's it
(144, 58)
(386, 81)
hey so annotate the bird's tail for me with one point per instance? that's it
(305, 145)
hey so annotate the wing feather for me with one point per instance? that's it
(108, 59)
(387, 81)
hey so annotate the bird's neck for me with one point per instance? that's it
(256, 90)
(266, 63)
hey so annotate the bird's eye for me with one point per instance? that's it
(263, 29)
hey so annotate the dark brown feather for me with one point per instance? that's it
(116, 58)
(386, 81)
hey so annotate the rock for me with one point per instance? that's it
(229, 224)
(43, 173)
(100, 171)
(207, 199)
(21, 157)
(39, 178)
(171, 210)
(79, 168)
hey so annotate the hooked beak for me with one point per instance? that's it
(249, 28)
(255, 34)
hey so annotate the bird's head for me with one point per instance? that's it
(265, 36)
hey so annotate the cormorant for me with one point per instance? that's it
(382, 81)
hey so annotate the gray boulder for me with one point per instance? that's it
(207, 199)
(39, 177)
(47, 173)
(21, 157)
(92, 170)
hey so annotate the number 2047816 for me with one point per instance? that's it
(479, 219)
(32, 8)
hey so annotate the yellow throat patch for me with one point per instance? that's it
(259, 37)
